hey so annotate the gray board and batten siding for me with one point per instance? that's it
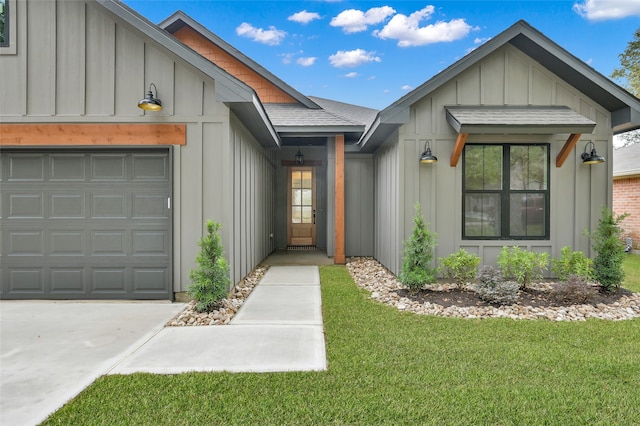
(507, 76)
(90, 62)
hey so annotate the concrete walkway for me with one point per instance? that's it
(279, 328)
(50, 351)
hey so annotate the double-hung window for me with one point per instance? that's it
(505, 191)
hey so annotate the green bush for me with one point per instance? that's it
(522, 265)
(461, 267)
(493, 288)
(609, 248)
(418, 254)
(210, 280)
(572, 263)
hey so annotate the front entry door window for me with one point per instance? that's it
(302, 207)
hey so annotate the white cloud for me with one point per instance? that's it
(599, 10)
(286, 58)
(272, 36)
(351, 75)
(408, 32)
(353, 20)
(306, 62)
(406, 87)
(352, 58)
(303, 17)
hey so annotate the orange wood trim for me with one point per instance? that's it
(92, 134)
(567, 148)
(338, 256)
(457, 149)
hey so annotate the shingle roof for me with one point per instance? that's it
(626, 160)
(358, 114)
(527, 119)
(296, 115)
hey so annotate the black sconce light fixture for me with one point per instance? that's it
(150, 102)
(427, 157)
(592, 156)
(299, 158)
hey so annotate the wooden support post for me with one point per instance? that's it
(339, 256)
(567, 148)
(457, 149)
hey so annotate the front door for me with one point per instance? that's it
(301, 211)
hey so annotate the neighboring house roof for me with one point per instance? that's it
(238, 96)
(180, 19)
(521, 120)
(626, 161)
(624, 107)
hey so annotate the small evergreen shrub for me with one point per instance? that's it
(418, 255)
(609, 248)
(575, 290)
(522, 266)
(461, 267)
(210, 280)
(492, 287)
(572, 263)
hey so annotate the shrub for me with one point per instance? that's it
(522, 265)
(418, 254)
(210, 280)
(572, 263)
(492, 287)
(460, 266)
(609, 248)
(576, 290)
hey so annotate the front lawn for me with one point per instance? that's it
(391, 367)
(631, 267)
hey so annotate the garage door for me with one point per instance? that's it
(85, 224)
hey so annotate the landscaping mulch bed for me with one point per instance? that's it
(534, 297)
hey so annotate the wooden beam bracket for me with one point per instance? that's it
(567, 148)
(457, 149)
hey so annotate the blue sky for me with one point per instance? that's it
(371, 53)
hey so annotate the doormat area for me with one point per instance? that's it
(301, 247)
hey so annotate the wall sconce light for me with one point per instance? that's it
(150, 102)
(427, 157)
(592, 156)
(299, 157)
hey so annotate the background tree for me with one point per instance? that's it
(629, 76)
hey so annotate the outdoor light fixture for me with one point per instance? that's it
(427, 157)
(591, 157)
(299, 157)
(150, 102)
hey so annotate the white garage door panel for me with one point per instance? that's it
(85, 224)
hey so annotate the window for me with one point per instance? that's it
(505, 191)
(4, 23)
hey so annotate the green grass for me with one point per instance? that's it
(632, 273)
(391, 367)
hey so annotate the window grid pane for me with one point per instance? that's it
(507, 181)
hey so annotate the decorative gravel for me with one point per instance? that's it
(369, 274)
(227, 307)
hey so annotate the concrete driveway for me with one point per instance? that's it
(50, 351)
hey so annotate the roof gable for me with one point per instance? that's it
(270, 88)
(624, 107)
(239, 97)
